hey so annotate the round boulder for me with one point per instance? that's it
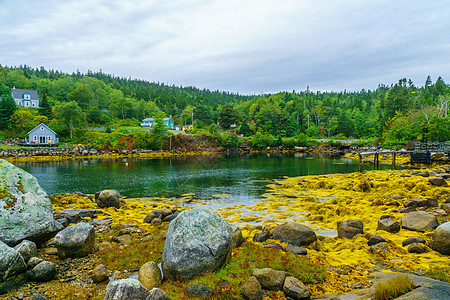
(75, 241)
(44, 271)
(126, 289)
(348, 229)
(108, 198)
(419, 221)
(150, 275)
(294, 233)
(270, 279)
(251, 289)
(197, 241)
(441, 239)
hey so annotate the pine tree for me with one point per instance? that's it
(7, 109)
(44, 107)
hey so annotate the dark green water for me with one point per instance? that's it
(243, 177)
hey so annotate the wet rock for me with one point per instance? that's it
(76, 215)
(198, 290)
(197, 241)
(11, 262)
(27, 249)
(251, 289)
(150, 275)
(108, 198)
(149, 217)
(440, 240)
(348, 229)
(385, 217)
(44, 271)
(296, 250)
(165, 212)
(415, 248)
(261, 237)
(295, 289)
(294, 233)
(419, 221)
(25, 211)
(237, 239)
(388, 225)
(75, 241)
(409, 241)
(270, 279)
(437, 181)
(375, 239)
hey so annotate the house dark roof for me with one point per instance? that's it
(42, 124)
(18, 93)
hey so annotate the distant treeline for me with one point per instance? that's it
(390, 114)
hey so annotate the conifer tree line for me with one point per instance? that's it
(390, 115)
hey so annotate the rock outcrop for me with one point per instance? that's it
(197, 241)
(25, 211)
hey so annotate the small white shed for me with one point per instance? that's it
(42, 135)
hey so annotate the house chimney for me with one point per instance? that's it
(14, 87)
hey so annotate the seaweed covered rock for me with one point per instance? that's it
(294, 233)
(25, 211)
(441, 239)
(348, 229)
(197, 241)
(419, 221)
(108, 198)
(75, 241)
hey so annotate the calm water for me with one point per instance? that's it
(242, 177)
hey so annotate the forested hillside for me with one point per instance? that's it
(390, 114)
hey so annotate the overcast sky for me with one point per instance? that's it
(244, 46)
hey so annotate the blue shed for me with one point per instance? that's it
(42, 135)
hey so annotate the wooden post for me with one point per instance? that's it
(360, 158)
(375, 161)
(393, 157)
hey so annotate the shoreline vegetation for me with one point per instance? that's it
(337, 265)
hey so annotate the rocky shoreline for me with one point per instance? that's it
(385, 220)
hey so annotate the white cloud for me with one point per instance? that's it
(241, 46)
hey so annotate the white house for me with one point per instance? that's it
(42, 135)
(27, 98)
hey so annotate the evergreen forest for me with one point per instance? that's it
(75, 104)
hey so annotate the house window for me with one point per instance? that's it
(26, 96)
(32, 104)
(35, 138)
(20, 102)
(49, 139)
(42, 127)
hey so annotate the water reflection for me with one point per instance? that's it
(244, 177)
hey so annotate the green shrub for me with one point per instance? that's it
(394, 287)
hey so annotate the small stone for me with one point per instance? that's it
(393, 203)
(409, 241)
(437, 181)
(125, 239)
(269, 279)
(388, 225)
(350, 228)
(198, 290)
(295, 289)
(33, 262)
(99, 274)
(261, 237)
(415, 248)
(165, 212)
(296, 250)
(251, 289)
(273, 246)
(375, 239)
(150, 275)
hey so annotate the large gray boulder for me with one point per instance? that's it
(419, 221)
(348, 229)
(25, 210)
(197, 241)
(108, 198)
(441, 239)
(294, 233)
(75, 241)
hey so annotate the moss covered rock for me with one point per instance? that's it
(25, 210)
